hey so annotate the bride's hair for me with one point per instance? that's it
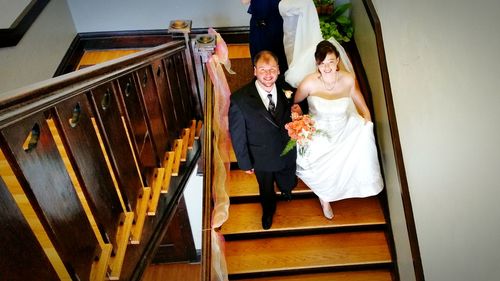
(324, 48)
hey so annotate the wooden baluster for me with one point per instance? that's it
(185, 88)
(123, 162)
(142, 110)
(192, 134)
(33, 155)
(185, 143)
(133, 112)
(73, 119)
(168, 163)
(175, 89)
(166, 102)
(22, 255)
(152, 108)
(159, 173)
(199, 126)
(177, 157)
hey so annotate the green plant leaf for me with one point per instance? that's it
(339, 10)
(343, 20)
(289, 146)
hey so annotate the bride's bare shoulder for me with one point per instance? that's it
(347, 77)
(311, 78)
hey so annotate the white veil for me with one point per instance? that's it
(301, 35)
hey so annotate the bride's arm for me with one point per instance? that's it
(302, 91)
(359, 101)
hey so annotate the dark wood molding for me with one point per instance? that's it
(11, 36)
(398, 154)
(134, 39)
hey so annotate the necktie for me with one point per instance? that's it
(272, 107)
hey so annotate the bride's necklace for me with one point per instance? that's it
(332, 86)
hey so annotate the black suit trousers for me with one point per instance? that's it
(285, 180)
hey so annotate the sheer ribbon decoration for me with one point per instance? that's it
(301, 35)
(221, 148)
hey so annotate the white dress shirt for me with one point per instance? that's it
(263, 94)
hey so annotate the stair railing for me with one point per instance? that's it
(93, 164)
(216, 152)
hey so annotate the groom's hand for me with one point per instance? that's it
(249, 171)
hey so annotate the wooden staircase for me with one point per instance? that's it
(302, 244)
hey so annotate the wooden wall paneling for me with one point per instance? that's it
(33, 155)
(22, 255)
(104, 103)
(75, 127)
(133, 112)
(166, 102)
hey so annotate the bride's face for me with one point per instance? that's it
(329, 64)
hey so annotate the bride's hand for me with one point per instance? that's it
(296, 108)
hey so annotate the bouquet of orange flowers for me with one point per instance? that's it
(301, 131)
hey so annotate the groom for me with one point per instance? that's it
(257, 117)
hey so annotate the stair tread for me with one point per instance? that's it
(307, 252)
(242, 184)
(246, 218)
(362, 275)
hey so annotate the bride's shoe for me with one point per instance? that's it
(327, 209)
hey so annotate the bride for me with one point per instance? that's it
(342, 163)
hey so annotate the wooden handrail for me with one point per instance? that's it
(208, 204)
(42, 95)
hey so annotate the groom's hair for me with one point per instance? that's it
(324, 48)
(264, 54)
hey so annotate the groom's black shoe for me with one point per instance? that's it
(267, 221)
(286, 195)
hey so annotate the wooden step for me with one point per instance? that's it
(245, 185)
(363, 275)
(293, 253)
(304, 214)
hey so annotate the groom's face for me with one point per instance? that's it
(266, 71)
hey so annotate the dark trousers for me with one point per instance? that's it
(285, 179)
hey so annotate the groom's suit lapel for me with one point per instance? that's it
(256, 102)
(281, 106)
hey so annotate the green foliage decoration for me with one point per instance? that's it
(335, 24)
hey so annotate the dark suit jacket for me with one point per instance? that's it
(258, 139)
(266, 30)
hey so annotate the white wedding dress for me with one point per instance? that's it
(341, 161)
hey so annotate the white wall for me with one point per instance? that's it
(114, 15)
(367, 46)
(443, 59)
(193, 194)
(10, 11)
(38, 54)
